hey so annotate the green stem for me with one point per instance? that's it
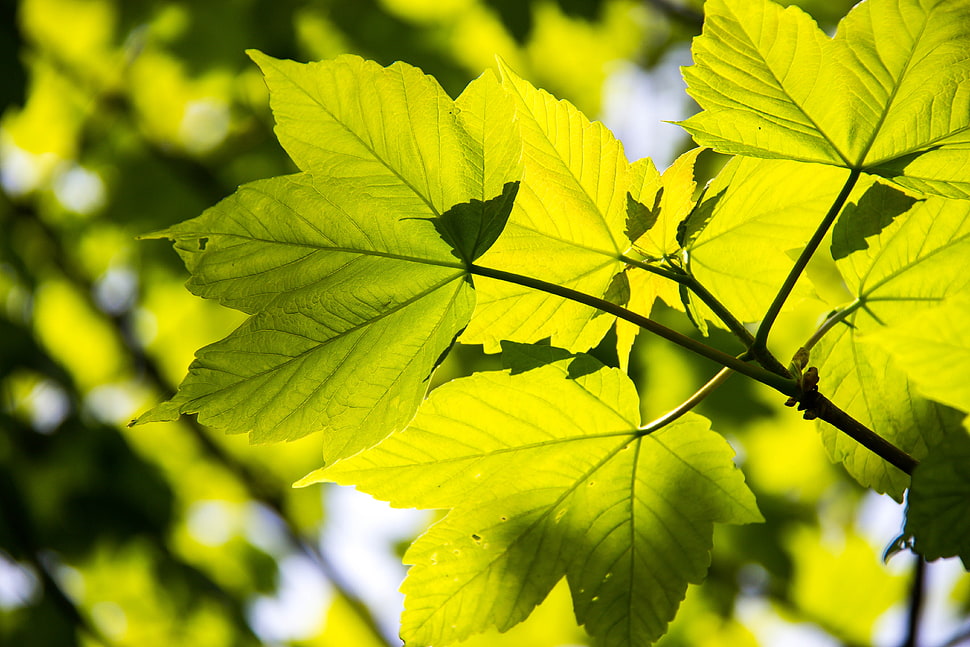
(719, 309)
(837, 317)
(686, 405)
(760, 346)
(783, 385)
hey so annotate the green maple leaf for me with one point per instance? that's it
(938, 504)
(909, 267)
(567, 227)
(354, 272)
(546, 473)
(889, 94)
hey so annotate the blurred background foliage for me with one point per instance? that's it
(120, 117)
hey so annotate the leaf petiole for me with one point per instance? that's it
(659, 423)
(737, 328)
(760, 346)
(780, 383)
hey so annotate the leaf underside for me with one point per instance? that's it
(896, 275)
(874, 97)
(545, 475)
(354, 271)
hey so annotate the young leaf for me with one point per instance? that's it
(938, 505)
(546, 474)
(567, 227)
(903, 271)
(656, 204)
(773, 85)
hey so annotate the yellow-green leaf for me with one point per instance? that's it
(546, 474)
(890, 93)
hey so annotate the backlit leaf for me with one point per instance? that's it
(656, 205)
(349, 312)
(545, 474)
(909, 267)
(354, 272)
(766, 208)
(567, 227)
(934, 350)
(890, 93)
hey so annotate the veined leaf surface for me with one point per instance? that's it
(907, 268)
(890, 93)
(567, 227)
(766, 208)
(354, 271)
(546, 474)
(934, 350)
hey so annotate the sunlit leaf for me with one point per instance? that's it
(907, 268)
(349, 312)
(773, 85)
(656, 205)
(567, 227)
(354, 272)
(767, 208)
(546, 475)
(934, 350)
(391, 129)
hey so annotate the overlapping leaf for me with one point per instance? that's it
(656, 204)
(567, 227)
(902, 271)
(890, 93)
(545, 474)
(938, 504)
(354, 271)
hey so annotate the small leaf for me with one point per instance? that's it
(546, 474)
(938, 509)
(674, 200)
(672, 197)
(472, 227)
(639, 217)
